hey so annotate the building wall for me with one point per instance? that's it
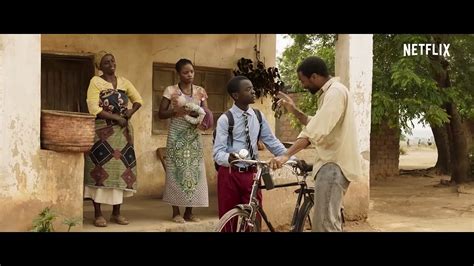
(354, 67)
(30, 179)
(135, 55)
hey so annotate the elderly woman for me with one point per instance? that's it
(110, 167)
(185, 183)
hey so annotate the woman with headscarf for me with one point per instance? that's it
(110, 165)
(185, 183)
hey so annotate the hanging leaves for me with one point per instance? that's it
(266, 81)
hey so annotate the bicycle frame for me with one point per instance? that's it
(254, 208)
(303, 192)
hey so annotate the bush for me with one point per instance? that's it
(402, 151)
(44, 221)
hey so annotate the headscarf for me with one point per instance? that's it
(98, 58)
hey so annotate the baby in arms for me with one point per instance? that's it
(180, 100)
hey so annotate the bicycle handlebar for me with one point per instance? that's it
(303, 168)
(289, 162)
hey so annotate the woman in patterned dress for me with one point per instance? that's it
(186, 183)
(110, 166)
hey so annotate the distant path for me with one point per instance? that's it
(418, 158)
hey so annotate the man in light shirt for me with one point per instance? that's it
(332, 133)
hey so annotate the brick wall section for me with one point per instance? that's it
(384, 152)
(283, 130)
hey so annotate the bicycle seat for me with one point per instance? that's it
(305, 167)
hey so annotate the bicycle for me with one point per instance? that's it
(244, 217)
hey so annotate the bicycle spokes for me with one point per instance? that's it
(238, 222)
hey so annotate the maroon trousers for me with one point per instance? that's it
(234, 188)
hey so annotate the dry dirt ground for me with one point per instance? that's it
(405, 203)
(413, 203)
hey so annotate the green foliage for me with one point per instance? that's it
(70, 222)
(403, 88)
(44, 221)
(265, 81)
(402, 137)
(462, 73)
(412, 86)
(305, 45)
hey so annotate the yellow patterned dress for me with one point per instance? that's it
(110, 166)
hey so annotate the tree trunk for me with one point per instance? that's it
(460, 156)
(460, 168)
(469, 130)
(443, 164)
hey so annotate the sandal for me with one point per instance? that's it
(119, 219)
(178, 219)
(100, 221)
(192, 218)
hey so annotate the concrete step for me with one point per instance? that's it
(150, 215)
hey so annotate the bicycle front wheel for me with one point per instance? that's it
(237, 220)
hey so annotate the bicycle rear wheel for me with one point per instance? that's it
(305, 214)
(303, 219)
(236, 220)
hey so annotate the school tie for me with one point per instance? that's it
(247, 134)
